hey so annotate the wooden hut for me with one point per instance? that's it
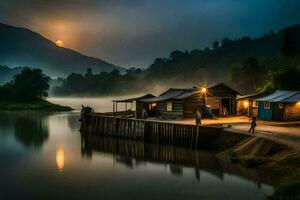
(139, 105)
(184, 103)
(248, 105)
(177, 103)
(280, 106)
(222, 99)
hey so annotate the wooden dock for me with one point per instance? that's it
(149, 131)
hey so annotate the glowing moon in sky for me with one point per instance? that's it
(59, 43)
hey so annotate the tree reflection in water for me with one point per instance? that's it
(30, 128)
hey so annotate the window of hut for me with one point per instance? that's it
(169, 106)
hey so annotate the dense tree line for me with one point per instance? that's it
(27, 86)
(104, 83)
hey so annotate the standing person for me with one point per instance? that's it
(253, 125)
(144, 113)
(198, 118)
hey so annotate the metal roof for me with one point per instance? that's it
(293, 99)
(172, 94)
(253, 96)
(218, 90)
(281, 96)
(134, 99)
(222, 90)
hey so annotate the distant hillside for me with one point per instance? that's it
(214, 64)
(22, 47)
(246, 64)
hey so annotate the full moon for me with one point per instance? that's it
(59, 43)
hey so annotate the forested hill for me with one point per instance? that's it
(22, 47)
(214, 63)
(267, 63)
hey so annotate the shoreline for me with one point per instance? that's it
(38, 105)
(260, 150)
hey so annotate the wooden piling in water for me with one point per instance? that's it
(149, 131)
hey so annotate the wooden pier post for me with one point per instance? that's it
(148, 131)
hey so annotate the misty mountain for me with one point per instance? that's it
(22, 47)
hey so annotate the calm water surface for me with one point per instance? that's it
(44, 156)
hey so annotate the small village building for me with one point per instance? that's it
(280, 106)
(248, 105)
(184, 103)
(222, 99)
(137, 103)
(177, 103)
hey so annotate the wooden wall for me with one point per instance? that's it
(176, 113)
(292, 111)
(157, 132)
(278, 113)
(191, 105)
(241, 109)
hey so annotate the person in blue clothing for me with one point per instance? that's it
(253, 125)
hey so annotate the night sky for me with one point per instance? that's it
(132, 33)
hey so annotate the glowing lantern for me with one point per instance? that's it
(246, 104)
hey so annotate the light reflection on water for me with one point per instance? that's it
(44, 155)
(60, 159)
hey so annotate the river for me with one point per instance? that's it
(44, 156)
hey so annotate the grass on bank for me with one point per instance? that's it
(37, 105)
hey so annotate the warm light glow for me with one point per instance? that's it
(152, 106)
(60, 159)
(203, 90)
(298, 103)
(246, 104)
(59, 43)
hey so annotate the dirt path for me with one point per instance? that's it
(283, 132)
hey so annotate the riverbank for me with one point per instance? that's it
(278, 156)
(277, 152)
(38, 105)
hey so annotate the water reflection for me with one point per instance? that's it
(60, 159)
(102, 168)
(30, 128)
(133, 154)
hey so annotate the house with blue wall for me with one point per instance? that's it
(280, 106)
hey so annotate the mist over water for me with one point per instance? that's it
(100, 104)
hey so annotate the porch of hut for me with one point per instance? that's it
(222, 99)
(132, 107)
